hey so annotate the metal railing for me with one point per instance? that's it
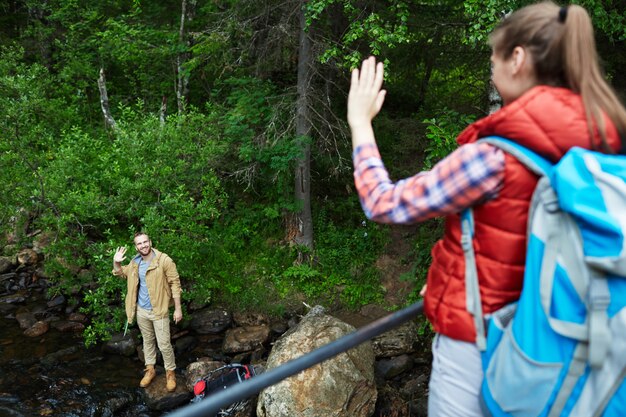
(211, 405)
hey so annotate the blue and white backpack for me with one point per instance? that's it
(561, 349)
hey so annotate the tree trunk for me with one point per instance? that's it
(302, 219)
(109, 121)
(182, 79)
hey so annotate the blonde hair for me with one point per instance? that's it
(563, 50)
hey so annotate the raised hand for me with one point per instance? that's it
(366, 97)
(120, 254)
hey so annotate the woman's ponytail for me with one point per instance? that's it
(584, 76)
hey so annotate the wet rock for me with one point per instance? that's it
(26, 319)
(27, 257)
(8, 276)
(57, 301)
(8, 412)
(185, 344)
(12, 299)
(78, 317)
(210, 321)
(38, 329)
(158, 398)
(343, 386)
(117, 402)
(243, 339)
(121, 345)
(59, 356)
(389, 368)
(397, 341)
(68, 326)
(199, 369)
(249, 319)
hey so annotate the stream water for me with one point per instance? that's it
(55, 375)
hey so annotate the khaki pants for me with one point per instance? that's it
(156, 332)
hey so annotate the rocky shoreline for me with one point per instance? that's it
(209, 338)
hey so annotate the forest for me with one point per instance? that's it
(218, 127)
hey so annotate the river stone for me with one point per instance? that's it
(37, 329)
(199, 369)
(249, 319)
(68, 326)
(244, 339)
(7, 276)
(388, 368)
(26, 319)
(210, 321)
(6, 264)
(400, 340)
(158, 398)
(57, 301)
(117, 402)
(121, 345)
(12, 299)
(342, 386)
(27, 257)
(79, 317)
(58, 356)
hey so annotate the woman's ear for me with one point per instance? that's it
(519, 58)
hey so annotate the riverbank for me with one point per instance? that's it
(45, 369)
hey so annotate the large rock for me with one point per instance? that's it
(244, 339)
(121, 345)
(37, 329)
(210, 321)
(243, 319)
(65, 326)
(400, 340)
(342, 386)
(199, 369)
(158, 398)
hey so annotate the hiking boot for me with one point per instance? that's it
(170, 376)
(148, 376)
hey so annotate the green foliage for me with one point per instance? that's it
(379, 28)
(213, 185)
(441, 134)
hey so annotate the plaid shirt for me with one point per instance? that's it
(472, 174)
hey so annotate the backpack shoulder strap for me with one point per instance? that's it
(536, 164)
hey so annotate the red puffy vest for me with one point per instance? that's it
(548, 120)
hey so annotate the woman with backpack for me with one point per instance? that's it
(545, 67)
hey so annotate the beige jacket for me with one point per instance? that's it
(162, 280)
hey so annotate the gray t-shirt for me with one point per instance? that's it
(144, 298)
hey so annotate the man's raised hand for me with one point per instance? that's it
(119, 255)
